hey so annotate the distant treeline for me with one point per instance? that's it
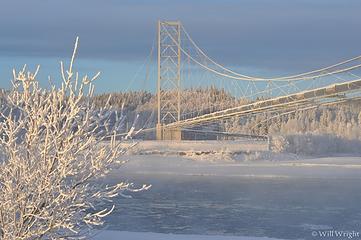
(343, 120)
(191, 99)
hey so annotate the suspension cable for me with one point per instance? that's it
(303, 76)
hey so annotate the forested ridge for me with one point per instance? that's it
(342, 120)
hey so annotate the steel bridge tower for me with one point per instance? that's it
(169, 79)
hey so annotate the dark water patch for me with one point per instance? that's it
(281, 208)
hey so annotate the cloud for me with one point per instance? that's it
(280, 33)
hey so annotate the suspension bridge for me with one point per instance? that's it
(181, 63)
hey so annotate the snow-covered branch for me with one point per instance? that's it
(51, 154)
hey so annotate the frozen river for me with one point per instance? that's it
(288, 199)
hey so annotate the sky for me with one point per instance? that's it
(261, 36)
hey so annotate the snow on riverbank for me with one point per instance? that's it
(120, 235)
(296, 147)
(199, 150)
(325, 168)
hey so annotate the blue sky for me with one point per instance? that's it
(116, 36)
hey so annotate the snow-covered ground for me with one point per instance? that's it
(214, 145)
(289, 166)
(190, 148)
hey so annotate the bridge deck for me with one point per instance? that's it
(304, 98)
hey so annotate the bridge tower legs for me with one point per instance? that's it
(169, 80)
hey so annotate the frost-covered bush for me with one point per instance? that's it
(52, 157)
(312, 144)
(279, 144)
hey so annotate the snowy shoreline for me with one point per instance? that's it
(308, 168)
